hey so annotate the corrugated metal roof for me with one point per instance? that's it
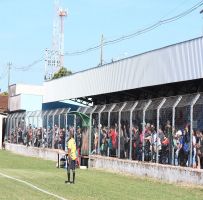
(179, 62)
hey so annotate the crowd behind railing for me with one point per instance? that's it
(39, 137)
(167, 145)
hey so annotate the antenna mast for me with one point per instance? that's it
(54, 57)
(62, 14)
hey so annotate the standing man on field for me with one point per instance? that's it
(71, 159)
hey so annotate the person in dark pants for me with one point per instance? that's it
(71, 160)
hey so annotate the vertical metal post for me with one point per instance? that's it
(109, 119)
(131, 126)
(174, 107)
(191, 127)
(17, 129)
(157, 129)
(43, 132)
(66, 123)
(47, 125)
(24, 125)
(99, 130)
(59, 117)
(33, 129)
(109, 115)
(143, 128)
(11, 125)
(53, 128)
(33, 121)
(14, 123)
(75, 124)
(173, 125)
(119, 134)
(7, 127)
(28, 119)
(59, 127)
(37, 122)
(90, 136)
(66, 130)
(119, 130)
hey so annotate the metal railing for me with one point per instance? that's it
(165, 130)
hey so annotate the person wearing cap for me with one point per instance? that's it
(71, 146)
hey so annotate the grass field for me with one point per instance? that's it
(90, 184)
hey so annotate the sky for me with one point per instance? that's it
(27, 26)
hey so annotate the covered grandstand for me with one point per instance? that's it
(136, 104)
(169, 71)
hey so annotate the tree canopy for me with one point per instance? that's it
(62, 72)
(4, 93)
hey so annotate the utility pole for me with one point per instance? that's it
(201, 12)
(9, 72)
(101, 55)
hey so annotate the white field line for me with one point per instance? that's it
(32, 186)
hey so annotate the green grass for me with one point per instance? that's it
(90, 184)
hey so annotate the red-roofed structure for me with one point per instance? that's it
(3, 103)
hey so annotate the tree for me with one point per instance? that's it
(62, 72)
(4, 93)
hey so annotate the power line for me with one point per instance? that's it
(154, 26)
(120, 39)
(137, 33)
(27, 67)
(174, 9)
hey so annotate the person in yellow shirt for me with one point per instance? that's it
(71, 156)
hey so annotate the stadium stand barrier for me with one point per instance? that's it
(164, 130)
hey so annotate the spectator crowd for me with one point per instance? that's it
(166, 145)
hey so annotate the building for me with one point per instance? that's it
(24, 97)
(3, 103)
(159, 87)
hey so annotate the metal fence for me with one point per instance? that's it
(158, 130)
(165, 130)
(39, 128)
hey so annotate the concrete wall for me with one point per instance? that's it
(172, 174)
(47, 154)
(166, 173)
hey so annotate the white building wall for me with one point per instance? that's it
(28, 102)
(29, 89)
(25, 97)
(15, 103)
